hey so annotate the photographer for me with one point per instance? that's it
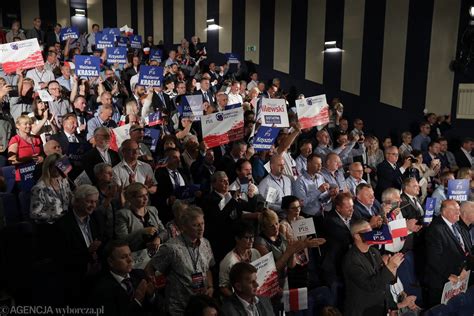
(422, 173)
(139, 225)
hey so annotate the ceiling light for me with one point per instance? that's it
(331, 47)
(471, 11)
(80, 12)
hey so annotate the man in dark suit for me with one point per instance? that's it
(100, 153)
(79, 146)
(221, 209)
(161, 101)
(410, 205)
(202, 170)
(36, 31)
(244, 301)
(367, 275)
(205, 91)
(447, 249)
(466, 222)
(228, 161)
(122, 291)
(171, 179)
(80, 235)
(464, 156)
(338, 239)
(388, 173)
(52, 37)
(366, 207)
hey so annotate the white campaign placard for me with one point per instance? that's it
(222, 127)
(22, 54)
(267, 276)
(451, 290)
(122, 133)
(272, 195)
(303, 227)
(274, 113)
(312, 111)
(45, 96)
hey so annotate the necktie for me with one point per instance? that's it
(176, 179)
(206, 97)
(162, 98)
(471, 235)
(72, 139)
(128, 284)
(457, 233)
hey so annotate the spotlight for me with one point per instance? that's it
(471, 11)
(211, 25)
(331, 47)
(80, 12)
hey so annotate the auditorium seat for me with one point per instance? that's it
(12, 213)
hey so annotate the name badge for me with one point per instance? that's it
(197, 282)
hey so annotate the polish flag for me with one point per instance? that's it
(295, 299)
(398, 228)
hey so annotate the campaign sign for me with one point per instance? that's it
(232, 106)
(451, 290)
(135, 41)
(232, 58)
(191, 106)
(25, 54)
(429, 210)
(312, 111)
(117, 55)
(378, 236)
(45, 96)
(75, 151)
(64, 165)
(458, 189)
(151, 138)
(267, 276)
(112, 31)
(68, 32)
(122, 41)
(8, 173)
(26, 175)
(87, 66)
(265, 138)
(153, 119)
(150, 76)
(187, 192)
(274, 113)
(303, 227)
(156, 54)
(103, 40)
(222, 127)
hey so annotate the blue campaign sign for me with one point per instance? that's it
(87, 66)
(378, 236)
(113, 31)
(150, 76)
(117, 55)
(8, 173)
(122, 41)
(232, 106)
(429, 210)
(151, 138)
(154, 119)
(68, 32)
(103, 40)
(232, 58)
(156, 54)
(135, 41)
(191, 106)
(26, 174)
(75, 151)
(458, 189)
(265, 138)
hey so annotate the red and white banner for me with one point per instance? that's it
(118, 135)
(451, 290)
(223, 127)
(22, 54)
(295, 299)
(312, 111)
(398, 228)
(267, 276)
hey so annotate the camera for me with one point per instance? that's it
(413, 159)
(13, 92)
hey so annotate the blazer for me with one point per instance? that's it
(233, 307)
(108, 292)
(366, 283)
(408, 207)
(387, 178)
(461, 159)
(360, 212)
(444, 255)
(212, 99)
(338, 239)
(92, 157)
(158, 104)
(63, 141)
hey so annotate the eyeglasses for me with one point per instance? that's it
(295, 208)
(248, 237)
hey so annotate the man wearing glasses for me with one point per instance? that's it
(389, 174)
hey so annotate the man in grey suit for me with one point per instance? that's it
(244, 301)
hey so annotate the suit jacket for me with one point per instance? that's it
(227, 164)
(409, 209)
(219, 222)
(33, 33)
(366, 283)
(338, 239)
(233, 307)
(444, 255)
(92, 157)
(109, 293)
(202, 173)
(158, 104)
(76, 162)
(212, 99)
(360, 212)
(461, 159)
(387, 178)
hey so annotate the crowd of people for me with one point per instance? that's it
(173, 230)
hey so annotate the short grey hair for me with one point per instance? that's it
(389, 193)
(191, 213)
(100, 167)
(83, 191)
(218, 175)
(101, 129)
(467, 207)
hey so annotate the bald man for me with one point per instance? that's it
(52, 147)
(466, 221)
(447, 249)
